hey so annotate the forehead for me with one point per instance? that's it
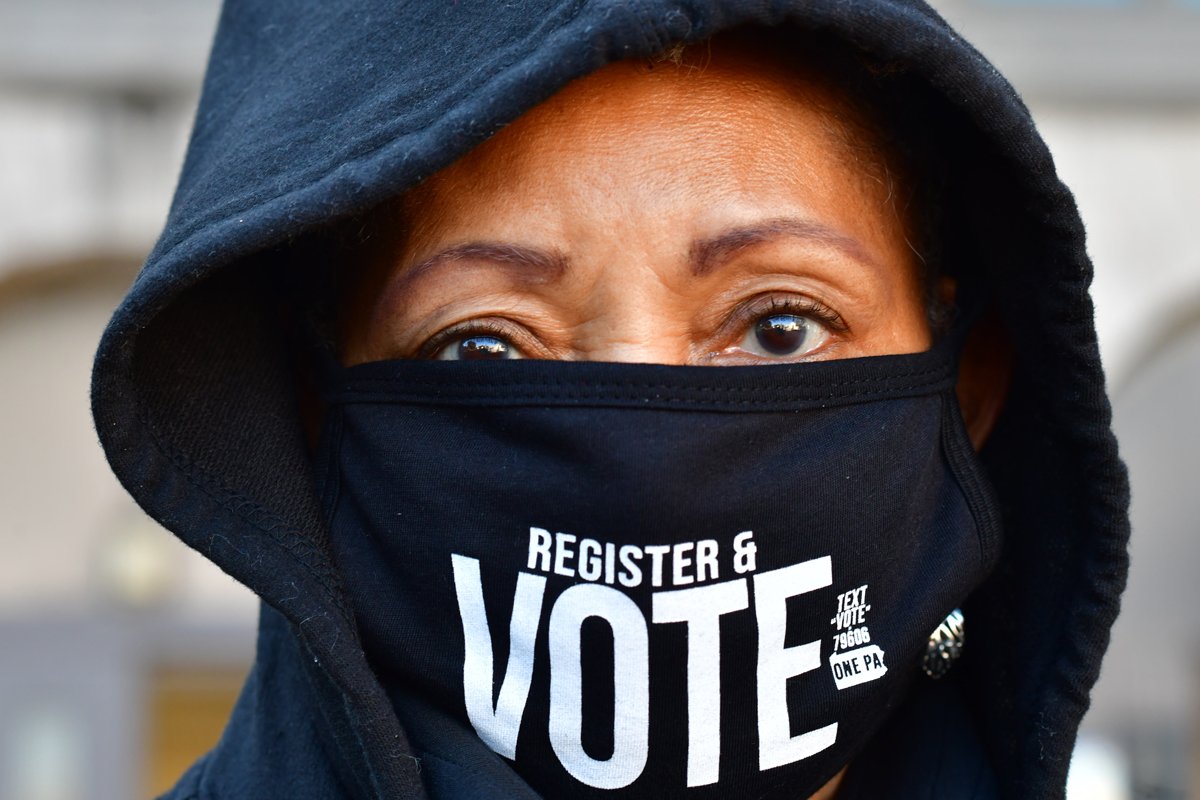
(729, 128)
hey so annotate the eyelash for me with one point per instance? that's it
(745, 315)
(799, 305)
(463, 330)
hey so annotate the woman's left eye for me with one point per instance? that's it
(784, 336)
(477, 347)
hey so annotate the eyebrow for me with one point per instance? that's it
(545, 264)
(550, 263)
(705, 255)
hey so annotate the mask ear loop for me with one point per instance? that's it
(310, 294)
(951, 341)
(970, 304)
(323, 347)
(330, 371)
(946, 642)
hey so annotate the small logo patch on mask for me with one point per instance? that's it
(854, 659)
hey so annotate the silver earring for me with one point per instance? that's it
(945, 645)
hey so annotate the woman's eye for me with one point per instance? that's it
(784, 336)
(478, 347)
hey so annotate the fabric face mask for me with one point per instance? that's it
(655, 581)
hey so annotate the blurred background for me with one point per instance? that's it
(121, 652)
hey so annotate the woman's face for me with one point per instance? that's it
(729, 214)
(711, 215)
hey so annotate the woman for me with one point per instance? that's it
(628, 575)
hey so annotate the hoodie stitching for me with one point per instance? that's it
(293, 542)
(647, 27)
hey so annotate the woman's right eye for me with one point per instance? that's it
(477, 347)
(784, 336)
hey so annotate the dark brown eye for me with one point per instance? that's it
(478, 348)
(782, 335)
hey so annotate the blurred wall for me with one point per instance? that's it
(115, 636)
(1115, 88)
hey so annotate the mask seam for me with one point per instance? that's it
(940, 372)
(643, 402)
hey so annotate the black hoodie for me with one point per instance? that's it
(314, 112)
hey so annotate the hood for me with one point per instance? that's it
(315, 112)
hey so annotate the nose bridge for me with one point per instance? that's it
(633, 315)
(638, 352)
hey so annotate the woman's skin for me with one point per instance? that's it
(653, 214)
(728, 212)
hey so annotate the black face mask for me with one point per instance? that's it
(655, 581)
